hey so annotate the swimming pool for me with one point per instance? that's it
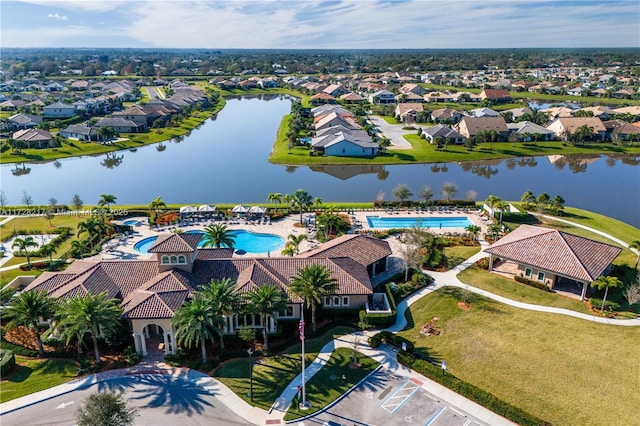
(132, 222)
(424, 222)
(250, 242)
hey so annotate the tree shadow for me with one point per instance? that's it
(20, 374)
(176, 394)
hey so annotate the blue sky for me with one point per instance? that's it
(319, 24)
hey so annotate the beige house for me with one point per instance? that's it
(151, 290)
(551, 257)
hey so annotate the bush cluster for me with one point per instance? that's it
(539, 286)
(609, 305)
(7, 362)
(390, 338)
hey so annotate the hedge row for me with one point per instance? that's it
(470, 391)
(7, 362)
(539, 286)
(390, 338)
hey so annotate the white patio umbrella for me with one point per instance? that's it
(240, 209)
(257, 210)
(188, 209)
(206, 208)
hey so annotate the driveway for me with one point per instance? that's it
(393, 132)
(160, 400)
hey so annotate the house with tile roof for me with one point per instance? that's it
(495, 95)
(565, 126)
(38, 138)
(469, 127)
(551, 257)
(446, 132)
(151, 290)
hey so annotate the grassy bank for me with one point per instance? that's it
(548, 365)
(33, 375)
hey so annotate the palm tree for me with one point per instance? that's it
(635, 244)
(89, 226)
(155, 205)
(107, 200)
(23, 245)
(502, 206)
(222, 296)
(196, 322)
(266, 300)
(312, 283)
(26, 309)
(328, 220)
(48, 250)
(474, 230)
(218, 235)
(287, 199)
(289, 250)
(301, 200)
(92, 313)
(79, 248)
(275, 198)
(606, 282)
(295, 240)
(492, 201)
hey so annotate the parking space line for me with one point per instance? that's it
(435, 416)
(400, 397)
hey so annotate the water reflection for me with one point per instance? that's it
(575, 163)
(57, 164)
(112, 160)
(161, 147)
(20, 171)
(347, 172)
(484, 169)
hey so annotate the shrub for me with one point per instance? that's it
(174, 360)
(609, 305)
(406, 358)
(7, 362)
(392, 339)
(539, 286)
(19, 350)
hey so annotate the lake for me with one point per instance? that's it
(225, 161)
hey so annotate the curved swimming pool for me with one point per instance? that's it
(250, 242)
(423, 222)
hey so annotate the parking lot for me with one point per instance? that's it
(387, 399)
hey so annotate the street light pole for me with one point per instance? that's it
(250, 352)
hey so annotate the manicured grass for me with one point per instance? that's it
(8, 275)
(458, 254)
(556, 367)
(611, 226)
(33, 375)
(513, 290)
(390, 120)
(327, 385)
(272, 374)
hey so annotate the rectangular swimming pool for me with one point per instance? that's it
(423, 222)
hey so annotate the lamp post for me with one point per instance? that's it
(250, 352)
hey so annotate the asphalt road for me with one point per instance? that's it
(394, 132)
(388, 399)
(160, 399)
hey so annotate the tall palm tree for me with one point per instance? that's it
(217, 235)
(295, 240)
(312, 283)
(492, 201)
(196, 322)
(474, 230)
(26, 309)
(606, 282)
(221, 295)
(301, 200)
(91, 227)
(155, 205)
(287, 199)
(289, 250)
(48, 250)
(635, 244)
(502, 206)
(329, 220)
(107, 200)
(92, 313)
(275, 198)
(23, 245)
(265, 300)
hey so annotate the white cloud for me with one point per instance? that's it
(57, 17)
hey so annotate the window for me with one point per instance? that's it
(540, 276)
(288, 312)
(182, 259)
(165, 259)
(527, 272)
(327, 301)
(174, 260)
(345, 301)
(336, 301)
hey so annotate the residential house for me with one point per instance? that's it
(120, 125)
(382, 97)
(352, 98)
(335, 90)
(483, 112)
(23, 121)
(152, 290)
(528, 131)
(409, 98)
(441, 131)
(446, 115)
(335, 119)
(137, 114)
(469, 127)
(322, 98)
(411, 88)
(407, 112)
(516, 113)
(33, 138)
(80, 132)
(344, 143)
(495, 95)
(438, 97)
(602, 112)
(554, 258)
(59, 110)
(618, 130)
(565, 126)
(327, 109)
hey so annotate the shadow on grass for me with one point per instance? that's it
(475, 300)
(21, 374)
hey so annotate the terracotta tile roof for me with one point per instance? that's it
(361, 248)
(175, 243)
(564, 254)
(214, 253)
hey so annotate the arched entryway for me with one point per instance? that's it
(154, 337)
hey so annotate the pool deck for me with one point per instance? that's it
(123, 247)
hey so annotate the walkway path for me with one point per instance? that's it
(394, 132)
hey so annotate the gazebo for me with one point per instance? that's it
(206, 210)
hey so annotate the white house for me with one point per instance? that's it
(382, 97)
(59, 109)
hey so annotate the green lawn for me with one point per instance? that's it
(272, 374)
(458, 254)
(562, 369)
(327, 385)
(33, 375)
(513, 290)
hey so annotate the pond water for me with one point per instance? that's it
(225, 161)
